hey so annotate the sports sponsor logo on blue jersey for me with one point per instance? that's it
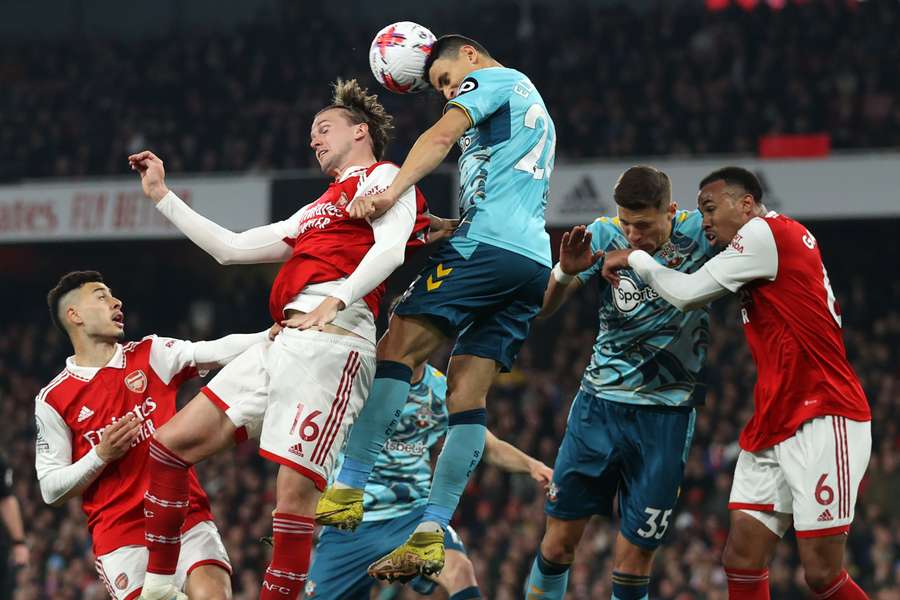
(647, 351)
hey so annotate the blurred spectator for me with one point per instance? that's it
(674, 80)
(500, 517)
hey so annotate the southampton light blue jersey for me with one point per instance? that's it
(507, 157)
(401, 479)
(647, 351)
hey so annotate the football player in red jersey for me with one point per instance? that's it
(94, 422)
(806, 448)
(311, 384)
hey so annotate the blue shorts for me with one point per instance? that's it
(485, 295)
(340, 560)
(636, 451)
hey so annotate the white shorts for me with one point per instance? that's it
(241, 389)
(318, 383)
(122, 570)
(810, 479)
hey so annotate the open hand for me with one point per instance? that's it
(575, 254)
(317, 318)
(152, 172)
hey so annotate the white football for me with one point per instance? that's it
(397, 56)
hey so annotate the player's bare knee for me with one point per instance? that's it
(631, 558)
(820, 576)
(458, 572)
(559, 549)
(210, 592)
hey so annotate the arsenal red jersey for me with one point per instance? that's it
(328, 245)
(793, 325)
(73, 411)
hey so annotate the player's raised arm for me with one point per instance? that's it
(426, 154)
(258, 245)
(751, 255)
(576, 255)
(509, 458)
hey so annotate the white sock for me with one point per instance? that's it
(154, 581)
(429, 527)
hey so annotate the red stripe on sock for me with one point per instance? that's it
(842, 588)
(164, 515)
(748, 584)
(286, 575)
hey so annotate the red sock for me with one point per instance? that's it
(747, 584)
(842, 588)
(292, 543)
(165, 508)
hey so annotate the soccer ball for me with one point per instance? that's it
(397, 56)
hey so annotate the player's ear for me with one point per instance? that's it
(360, 131)
(469, 53)
(72, 316)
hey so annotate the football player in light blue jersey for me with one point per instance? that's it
(630, 426)
(483, 287)
(395, 499)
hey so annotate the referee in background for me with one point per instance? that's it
(12, 535)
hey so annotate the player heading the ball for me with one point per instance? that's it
(483, 287)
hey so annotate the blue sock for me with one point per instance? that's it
(547, 581)
(629, 587)
(462, 452)
(467, 594)
(375, 422)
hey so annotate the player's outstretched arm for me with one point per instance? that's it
(59, 478)
(169, 356)
(258, 245)
(682, 290)
(509, 458)
(575, 255)
(220, 352)
(426, 154)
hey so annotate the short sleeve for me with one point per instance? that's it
(602, 233)
(480, 95)
(751, 255)
(172, 359)
(53, 440)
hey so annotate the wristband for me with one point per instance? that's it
(560, 276)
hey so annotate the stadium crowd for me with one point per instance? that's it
(619, 82)
(500, 517)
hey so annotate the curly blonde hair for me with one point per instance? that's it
(362, 107)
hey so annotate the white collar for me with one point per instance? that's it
(350, 172)
(87, 373)
(771, 213)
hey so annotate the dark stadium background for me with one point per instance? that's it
(218, 89)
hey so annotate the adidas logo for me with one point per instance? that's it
(825, 516)
(296, 449)
(583, 197)
(85, 414)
